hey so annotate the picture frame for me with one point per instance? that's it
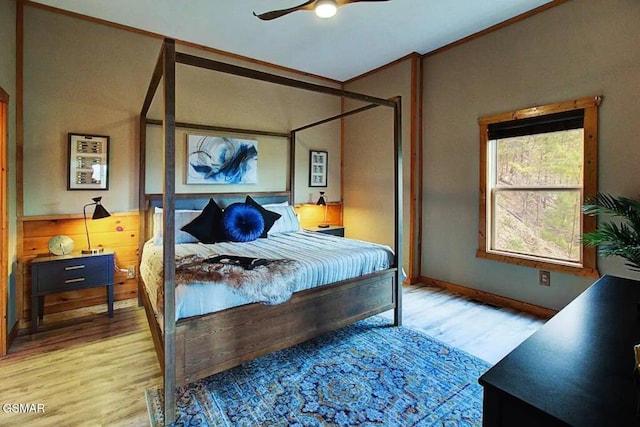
(214, 159)
(88, 162)
(318, 168)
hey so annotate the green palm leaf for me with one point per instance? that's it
(620, 237)
(606, 204)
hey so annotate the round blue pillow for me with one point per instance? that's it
(242, 222)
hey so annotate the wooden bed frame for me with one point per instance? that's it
(196, 347)
(208, 344)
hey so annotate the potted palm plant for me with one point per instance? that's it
(620, 236)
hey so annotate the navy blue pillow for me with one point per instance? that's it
(242, 222)
(269, 217)
(207, 227)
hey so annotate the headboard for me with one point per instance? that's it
(197, 201)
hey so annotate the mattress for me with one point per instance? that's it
(323, 259)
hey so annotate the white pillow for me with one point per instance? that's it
(159, 210)
(287, 223)
(182, 218)
(273, 205)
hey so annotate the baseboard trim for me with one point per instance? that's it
(490, 298)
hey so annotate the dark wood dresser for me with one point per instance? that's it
(577, 369)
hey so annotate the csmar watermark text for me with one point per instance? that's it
(22, 408)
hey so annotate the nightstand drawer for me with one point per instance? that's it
(72, 273)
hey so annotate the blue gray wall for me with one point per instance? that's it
(578, 49)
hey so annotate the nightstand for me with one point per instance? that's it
(334, 230)
(53, 274)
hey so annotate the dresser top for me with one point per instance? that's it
(578, 367)
(72, 255)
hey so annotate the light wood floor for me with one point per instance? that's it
(93, 371)
(483, 330)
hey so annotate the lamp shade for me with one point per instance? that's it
(99, 212)
(323, 202)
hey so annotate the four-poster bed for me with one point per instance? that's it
(198, 346)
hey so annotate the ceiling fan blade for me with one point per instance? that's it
(267, 16)
(343, 2)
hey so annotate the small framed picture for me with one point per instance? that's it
(88, 167)
(318, 165)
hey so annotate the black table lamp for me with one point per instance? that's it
(99, 213)
(323, 202)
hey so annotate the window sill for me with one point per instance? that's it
(540, 265)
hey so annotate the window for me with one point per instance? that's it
(536, 166)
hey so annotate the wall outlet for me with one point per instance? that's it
(131, 272)
(544, 278)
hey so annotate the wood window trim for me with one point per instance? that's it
(590, 183)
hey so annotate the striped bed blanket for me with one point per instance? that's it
(315, 259)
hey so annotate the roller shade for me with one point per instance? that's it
(565, 120)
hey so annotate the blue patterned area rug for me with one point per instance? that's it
(366, 374)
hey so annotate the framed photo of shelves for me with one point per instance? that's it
(318, 164)
(88, 162)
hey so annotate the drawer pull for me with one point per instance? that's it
(80, 279)
(75, 267)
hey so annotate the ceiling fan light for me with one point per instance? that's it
(326, 8)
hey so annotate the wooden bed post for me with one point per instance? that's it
(166, 67)
(292, 166)
(142, 155)
(142, 159)
(142, 148)
(169, 249)
(397, 146)
(396, 103)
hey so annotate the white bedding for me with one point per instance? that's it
(324, 259)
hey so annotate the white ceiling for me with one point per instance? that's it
(361, 37)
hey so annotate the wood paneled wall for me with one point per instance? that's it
(118, 232)
(311, 215)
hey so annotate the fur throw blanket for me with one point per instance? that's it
(269, 281)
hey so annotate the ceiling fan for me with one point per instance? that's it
(323, 8)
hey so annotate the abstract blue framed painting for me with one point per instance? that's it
(221, 160)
